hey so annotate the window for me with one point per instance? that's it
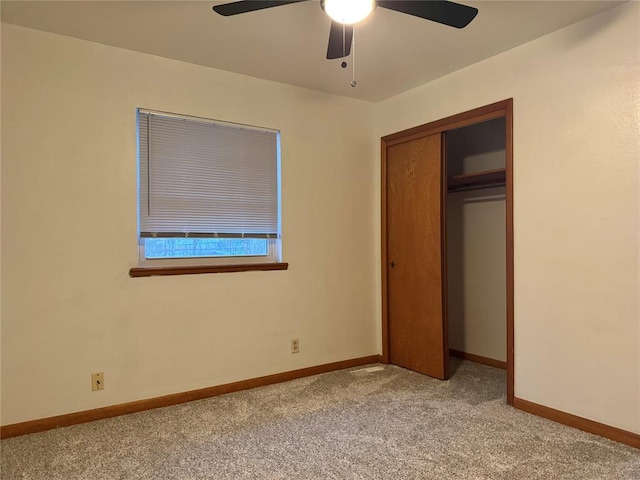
(208, 192)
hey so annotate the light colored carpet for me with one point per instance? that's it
(389, 424)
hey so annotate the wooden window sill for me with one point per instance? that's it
(156, 271)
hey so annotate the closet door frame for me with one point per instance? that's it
(503, 109)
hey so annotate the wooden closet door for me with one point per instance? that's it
(415, 273)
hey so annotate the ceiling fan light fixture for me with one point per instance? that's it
(348, 11)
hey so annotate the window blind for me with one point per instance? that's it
(201, 178)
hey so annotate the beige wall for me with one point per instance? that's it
(69, 233)
(576, 96)
(476, 272)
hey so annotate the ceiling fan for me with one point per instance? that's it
(344, 13)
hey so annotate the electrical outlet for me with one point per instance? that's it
(295, 345)
(97, 381)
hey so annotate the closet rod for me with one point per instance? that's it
(475, 187)
(473, 181)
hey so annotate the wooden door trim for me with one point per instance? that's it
(385, 260)
(481, 114)
(510, 259)
(477, 115)
(444, 273)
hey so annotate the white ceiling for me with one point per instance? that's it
(394, 52)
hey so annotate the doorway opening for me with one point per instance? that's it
(447, 243)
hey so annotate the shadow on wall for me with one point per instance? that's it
(583, 31)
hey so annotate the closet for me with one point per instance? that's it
(447, 242)
(476, 242)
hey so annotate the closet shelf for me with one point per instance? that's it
(468, 181)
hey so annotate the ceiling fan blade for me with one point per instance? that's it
(339, 45)
(246, 6)
(447, 13)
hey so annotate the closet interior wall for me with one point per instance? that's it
(476, 243)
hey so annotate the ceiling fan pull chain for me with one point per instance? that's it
(353, 60)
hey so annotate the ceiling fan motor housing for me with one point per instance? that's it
(348, 11)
